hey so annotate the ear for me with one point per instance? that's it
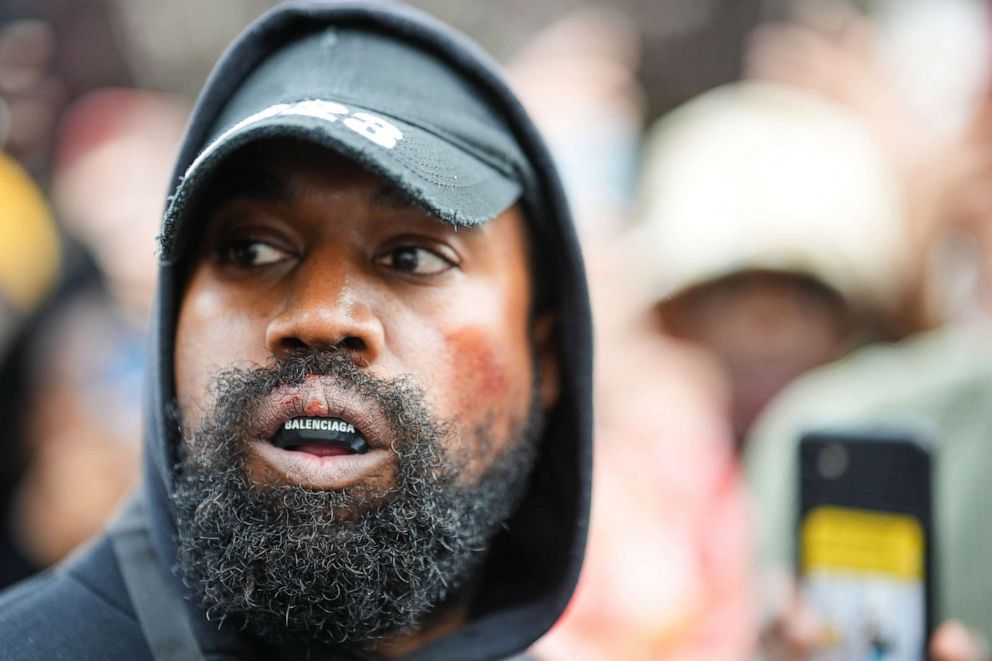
(546, 355)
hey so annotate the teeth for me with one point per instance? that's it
(320, 430)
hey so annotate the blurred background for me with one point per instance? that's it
(786, 209)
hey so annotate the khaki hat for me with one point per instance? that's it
(29, 243)
(761, 176)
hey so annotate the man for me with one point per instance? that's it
(773, 233)
(935, 386)
(370, 424)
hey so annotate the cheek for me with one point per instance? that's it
(490, 353)
(478, 367)
(489, 387)
(212, 335)
(489, 364)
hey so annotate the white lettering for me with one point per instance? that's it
(329, 111)
(374, 128)
(271, 111)
(321, 424)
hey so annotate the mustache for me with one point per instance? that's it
(399, 403)
(257, 382)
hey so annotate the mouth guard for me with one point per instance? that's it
(325, 431)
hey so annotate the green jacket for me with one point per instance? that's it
(938, 385)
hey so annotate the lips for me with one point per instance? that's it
(319, 398)
(319, 435)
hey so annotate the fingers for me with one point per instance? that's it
(792, 635)
(954, 642)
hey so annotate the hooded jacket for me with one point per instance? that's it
(82, 609)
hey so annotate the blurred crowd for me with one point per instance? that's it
(786, 210)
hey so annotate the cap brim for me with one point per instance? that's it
(446, 180)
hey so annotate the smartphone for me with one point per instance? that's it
(865, 543)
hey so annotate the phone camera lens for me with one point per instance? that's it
(832, 461)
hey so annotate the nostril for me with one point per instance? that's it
(352, 343)
(296, 346)
(293, 344)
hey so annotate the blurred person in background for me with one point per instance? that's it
(667, 567)
(73, 379)
(51, 52)
(578, 79)
(916, 76)
(66, 481)
(935, 384)
(771, 235)
(667, 572)
(29, 266)
(115, 150)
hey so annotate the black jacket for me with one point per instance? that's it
(82, 610)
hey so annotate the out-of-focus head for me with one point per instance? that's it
(51, 51)
(29, 246)
(577, 80)
(115, 151)
(770, 231)
(31, 94)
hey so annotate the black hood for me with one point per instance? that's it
(534, 564)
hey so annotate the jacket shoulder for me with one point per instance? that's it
(77, 611)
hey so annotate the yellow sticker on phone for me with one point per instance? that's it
(861, 541)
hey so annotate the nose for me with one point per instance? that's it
(324, 309)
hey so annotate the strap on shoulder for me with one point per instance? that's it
(158, 605)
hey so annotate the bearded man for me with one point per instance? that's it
(369, 423)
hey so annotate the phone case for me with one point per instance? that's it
(865, 551)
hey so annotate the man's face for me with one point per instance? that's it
(765, 328)
(316, 291)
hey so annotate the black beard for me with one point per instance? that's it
(290, 563)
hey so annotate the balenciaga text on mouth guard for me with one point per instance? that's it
(326, 431)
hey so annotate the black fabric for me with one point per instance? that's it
(78, 612)
(157, 601)
(534, 564)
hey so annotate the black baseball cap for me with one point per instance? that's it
(396, 109)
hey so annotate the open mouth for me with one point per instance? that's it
(321, 436)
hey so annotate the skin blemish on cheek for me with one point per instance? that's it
(478, 366)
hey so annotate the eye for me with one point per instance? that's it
(415, 260)
(251, 253)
